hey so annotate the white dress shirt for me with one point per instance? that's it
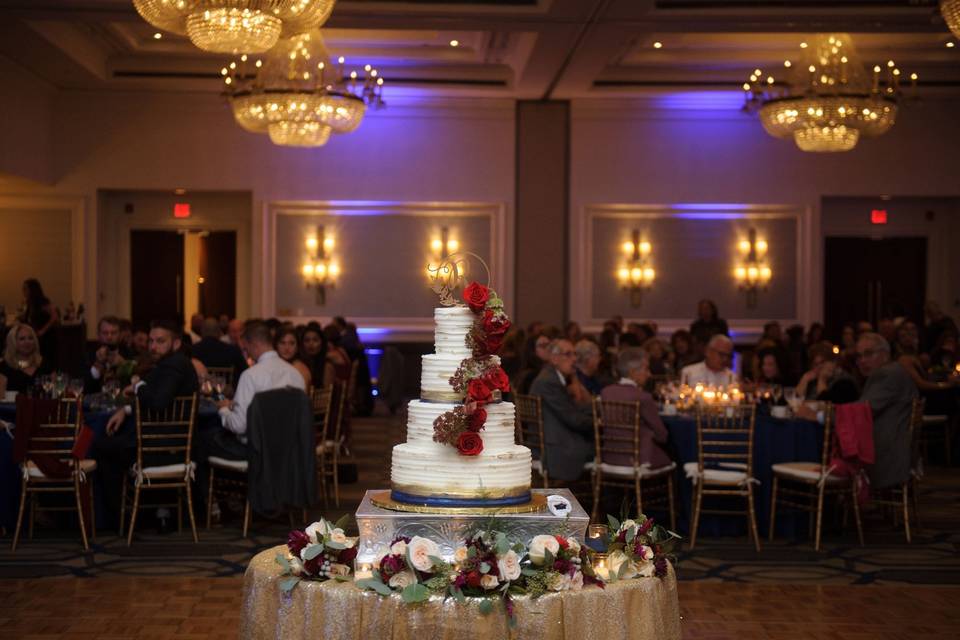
(270, 372)
(698, 373)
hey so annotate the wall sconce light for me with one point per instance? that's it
(752, 273)
(320, 269)
(442, 248)
(637, 272)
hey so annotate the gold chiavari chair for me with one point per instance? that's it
(900, 497)
(616, 427)
(228, 478)
(529, 427)
(162, 435)
(53, 442)
(931, 425)
(808, 483)
(724, 440)
(328, 408)
(227, 373)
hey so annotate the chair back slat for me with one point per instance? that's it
(529, 424)
(916, 429)
(725, 434)
(227, 373)
(55, 436)
(168, 430)
(616, 428)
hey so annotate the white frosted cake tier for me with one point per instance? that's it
(498, 432)
(436, 371)
(450, 335)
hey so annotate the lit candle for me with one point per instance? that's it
(600, 566)
(363, 571)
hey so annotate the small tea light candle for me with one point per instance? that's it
(597, 537)
(600, 568)
(363, 571)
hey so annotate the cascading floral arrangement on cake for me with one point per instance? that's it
(460, 450)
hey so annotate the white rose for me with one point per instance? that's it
(626, 525)
(540, 545)
(488, 581)
(296, 567)
(399, 548)
(337, 535)
(574, 546)
(460, 555)
(509, 566)
(576, 582)
(403, 579)
(420, 550)
(615, 560)
(555, 582)
(646, 553)
(338, 570)
(317, 530)
(646, 569)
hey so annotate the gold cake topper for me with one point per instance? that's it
(449, 275)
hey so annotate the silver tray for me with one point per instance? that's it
(378, 527)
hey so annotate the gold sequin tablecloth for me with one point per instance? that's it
(633, 609)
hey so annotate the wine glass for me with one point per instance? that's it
(59, 384)
(111, 388)
(776, 393)
(219, 383)
(46, 383)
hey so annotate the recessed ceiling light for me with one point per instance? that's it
(657, 45)
(179, 191)
(950, 45)
(454, 43)
(157, 35)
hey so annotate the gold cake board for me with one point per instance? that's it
(382, 499)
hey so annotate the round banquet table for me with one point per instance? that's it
(774, 440)
(632, 609)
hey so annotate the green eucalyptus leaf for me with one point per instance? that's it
(415, 593)
(486, 606)
(484, 567)
(342, 522)
(614, 524)
(548, 558)
(438, 563)
(283, 562)
(458, 595)
(374, 584)
(287, 584)
(335, 545)
(312, 551)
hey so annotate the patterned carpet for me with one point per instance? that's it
(932, 559)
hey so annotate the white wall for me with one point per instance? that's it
(26, 119)
(672, 152)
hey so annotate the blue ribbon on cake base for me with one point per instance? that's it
(454, 502)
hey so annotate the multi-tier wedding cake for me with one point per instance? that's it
(460, 449)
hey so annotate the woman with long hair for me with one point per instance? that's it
(39, 313)
(287, 347)
(313, 352)
(22, 361)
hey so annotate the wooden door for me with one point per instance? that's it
(218, 268)
(156, 276)
(867, 279)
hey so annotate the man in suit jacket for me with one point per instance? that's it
(889, 391)
(213, 352)
(567, 414)
(104, 358)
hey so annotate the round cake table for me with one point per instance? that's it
(631, 609)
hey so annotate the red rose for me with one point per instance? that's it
(476, 296)
(562, 542)
(493, 326)
(491, 345)
(473, 579)
(477, 419)
(469, 444)
(496, 378)
(297, 541)
(478, 391)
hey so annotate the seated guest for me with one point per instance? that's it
(337, 356)
(773, 332)
(213, 352)
(107, 356)
(536, 354)
(939, 323)
(567, 413)
(814, 334)
(287, 348)
(313, 350)
(269, 372)
(634, 373)
(770, 367)
(196, 328)
(708, 323)
(588, 367)
(22, 362)
(890, 392)
(571, 331)
(657, 359)
(681, 343)
(714, 371)
(141, 342)
(511, 354)
(233, 333)
(826, 381)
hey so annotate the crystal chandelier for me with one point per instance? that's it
(231, 26)
(294, 95)
(951, 13)
(828, 101)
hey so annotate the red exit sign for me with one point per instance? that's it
(181, 210)
(878, 216)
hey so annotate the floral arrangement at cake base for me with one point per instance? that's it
(636, 548)
(320, 552)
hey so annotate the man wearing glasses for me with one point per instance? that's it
(715, 370)
(567, 413)
(889, 391)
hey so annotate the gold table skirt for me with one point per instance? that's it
(633, 609)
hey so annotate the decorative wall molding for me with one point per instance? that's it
(394, 329)
(807, 255)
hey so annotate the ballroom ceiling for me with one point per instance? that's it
(526, 49)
